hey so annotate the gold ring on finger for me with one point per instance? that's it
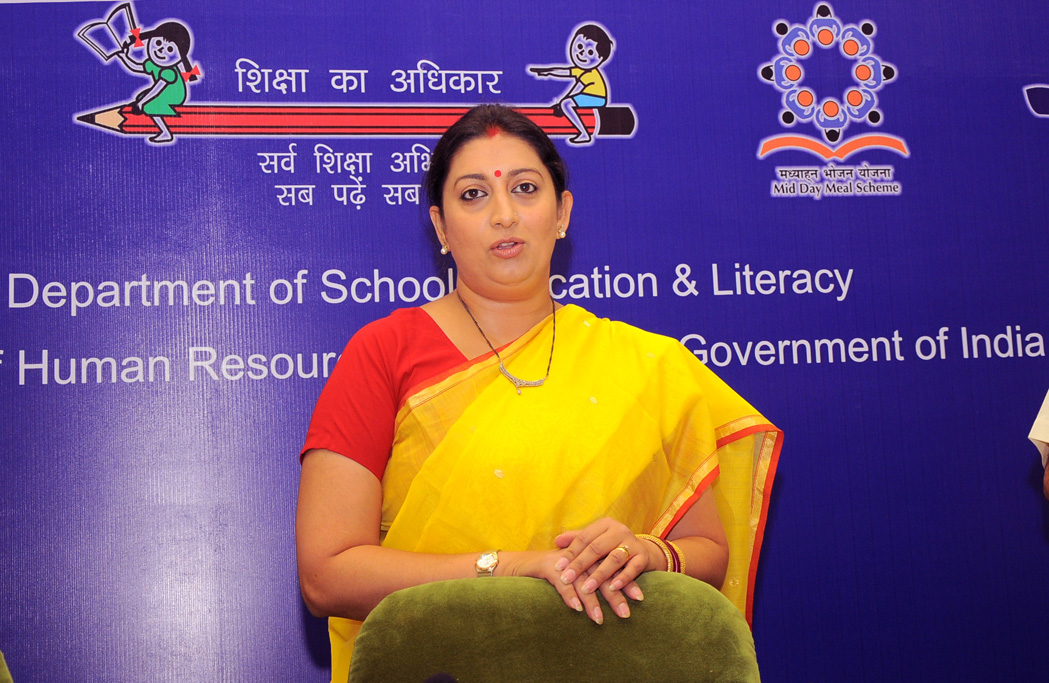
(626, 549)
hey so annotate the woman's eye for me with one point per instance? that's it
(526, 187)
(472, 193)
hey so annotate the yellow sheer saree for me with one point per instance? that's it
(629, 425)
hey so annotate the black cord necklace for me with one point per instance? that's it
(516, 381)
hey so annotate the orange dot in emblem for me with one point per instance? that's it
(805, 98)
(863, 72)
(801, 47)
(830, 108)
(825, 36)
(851, 47)
(855, 98)
(793, 72)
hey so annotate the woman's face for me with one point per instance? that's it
(501, 217)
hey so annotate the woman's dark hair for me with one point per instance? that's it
(488, 119)
(178, 34)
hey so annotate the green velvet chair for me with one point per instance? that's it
(518, 629)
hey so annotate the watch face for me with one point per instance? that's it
(487, 561)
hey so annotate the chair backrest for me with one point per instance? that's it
(518, 629)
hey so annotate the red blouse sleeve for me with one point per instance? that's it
(356, 410)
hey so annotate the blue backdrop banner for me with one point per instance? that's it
(840, 208)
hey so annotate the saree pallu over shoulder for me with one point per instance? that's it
(628, 425)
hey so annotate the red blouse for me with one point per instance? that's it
(356, 410)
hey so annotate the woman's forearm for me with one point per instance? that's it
(705, 559)
(343, 571)
(353, 582)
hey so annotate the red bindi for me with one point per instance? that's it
(498, 173)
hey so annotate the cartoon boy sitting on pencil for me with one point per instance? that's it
(589, 48)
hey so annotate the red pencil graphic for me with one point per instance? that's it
(260, 120)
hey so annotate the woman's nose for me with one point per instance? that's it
(503, 214)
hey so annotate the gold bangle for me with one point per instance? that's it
(680, 556)
(662, 545)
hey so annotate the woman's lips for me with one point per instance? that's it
(507, 248)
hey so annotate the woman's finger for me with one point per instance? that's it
(633, 591)
(615, 600)
(541, 566)
(625, 578)
(591, 604)
(587, 555)
(618, 558)
(579, 542)
(564, 540)
(568, 594)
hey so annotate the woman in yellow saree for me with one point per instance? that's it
(493, 432)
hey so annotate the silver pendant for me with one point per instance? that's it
(517, 382)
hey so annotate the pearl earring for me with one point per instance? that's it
(444, 250)
(560, 232)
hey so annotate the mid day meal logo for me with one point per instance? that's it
(813, 45)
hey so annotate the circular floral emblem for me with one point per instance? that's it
(854, 42)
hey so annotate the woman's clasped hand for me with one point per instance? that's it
(605, 557)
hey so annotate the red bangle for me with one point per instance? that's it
(679, 557)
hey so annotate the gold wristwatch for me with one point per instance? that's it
(486, 563)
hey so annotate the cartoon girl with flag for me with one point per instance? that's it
(167, 64)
